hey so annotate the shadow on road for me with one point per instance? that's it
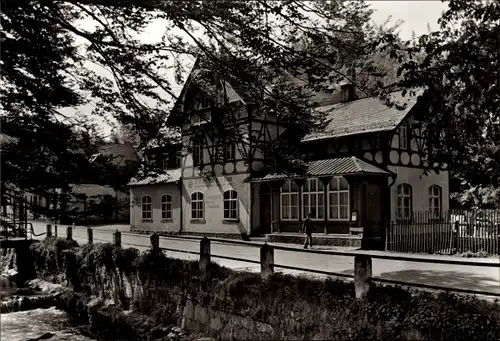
(453, 279)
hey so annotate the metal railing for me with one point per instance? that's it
(18, 229)
(362, 274)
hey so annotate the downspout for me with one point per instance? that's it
(389, 211)
(181, 206)
(250, 228)
(393, 176)
(249, 161)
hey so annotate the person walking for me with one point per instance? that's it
(308, 229)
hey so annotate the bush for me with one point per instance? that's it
(295, 307)
(48, 256)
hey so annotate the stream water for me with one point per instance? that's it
(39, 324)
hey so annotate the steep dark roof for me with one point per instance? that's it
(367, 115)
(340, 166)
(92, 190)
(120, 153)
(235, 94)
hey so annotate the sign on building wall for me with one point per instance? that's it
(214, 201)
(209, 182)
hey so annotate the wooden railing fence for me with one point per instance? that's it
(362, 274)
(450, 232)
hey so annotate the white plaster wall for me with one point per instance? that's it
(420, 185)
(213, 190)
(156, 224)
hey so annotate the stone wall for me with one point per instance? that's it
(191, 312)
(187, 298)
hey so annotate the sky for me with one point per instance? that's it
(416, 16)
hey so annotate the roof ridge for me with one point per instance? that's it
(355, 160)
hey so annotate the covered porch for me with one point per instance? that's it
(348, 199)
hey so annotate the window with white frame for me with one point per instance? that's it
(197, 206)
(405, 202)
(403, 136)
(435, 200)
(231, 204)
(289, 201)
(338, 199)
(147, 207)
(197, 153)
(313, 199)
(166, 207)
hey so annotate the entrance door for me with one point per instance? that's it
(265, 211)
(374, 219)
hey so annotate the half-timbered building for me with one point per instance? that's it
(365, 170)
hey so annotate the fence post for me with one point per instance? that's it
(266, 260)
(49, 230)
(90, 235)
(204, 254)
(362, 275)
(69, 233)
(155, 243)
(117, 238)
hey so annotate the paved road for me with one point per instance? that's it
(452, 276)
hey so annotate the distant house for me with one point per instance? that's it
(365, 170)
(88, 203)
(93, 203)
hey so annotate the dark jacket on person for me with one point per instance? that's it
(307, 226)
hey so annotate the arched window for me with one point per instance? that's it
(313, 200)
(338, 199)
(231, 204)
(289, 201)
(166, 207)
(197, 206)
(435, 200)
(405, 201)
(147, 207)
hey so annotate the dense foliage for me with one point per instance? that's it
(460, 71)
(294, 307)
(89, 55)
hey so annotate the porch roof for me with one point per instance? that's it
(350, 165)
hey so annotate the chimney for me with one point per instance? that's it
(348, 93)
(349, 90)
